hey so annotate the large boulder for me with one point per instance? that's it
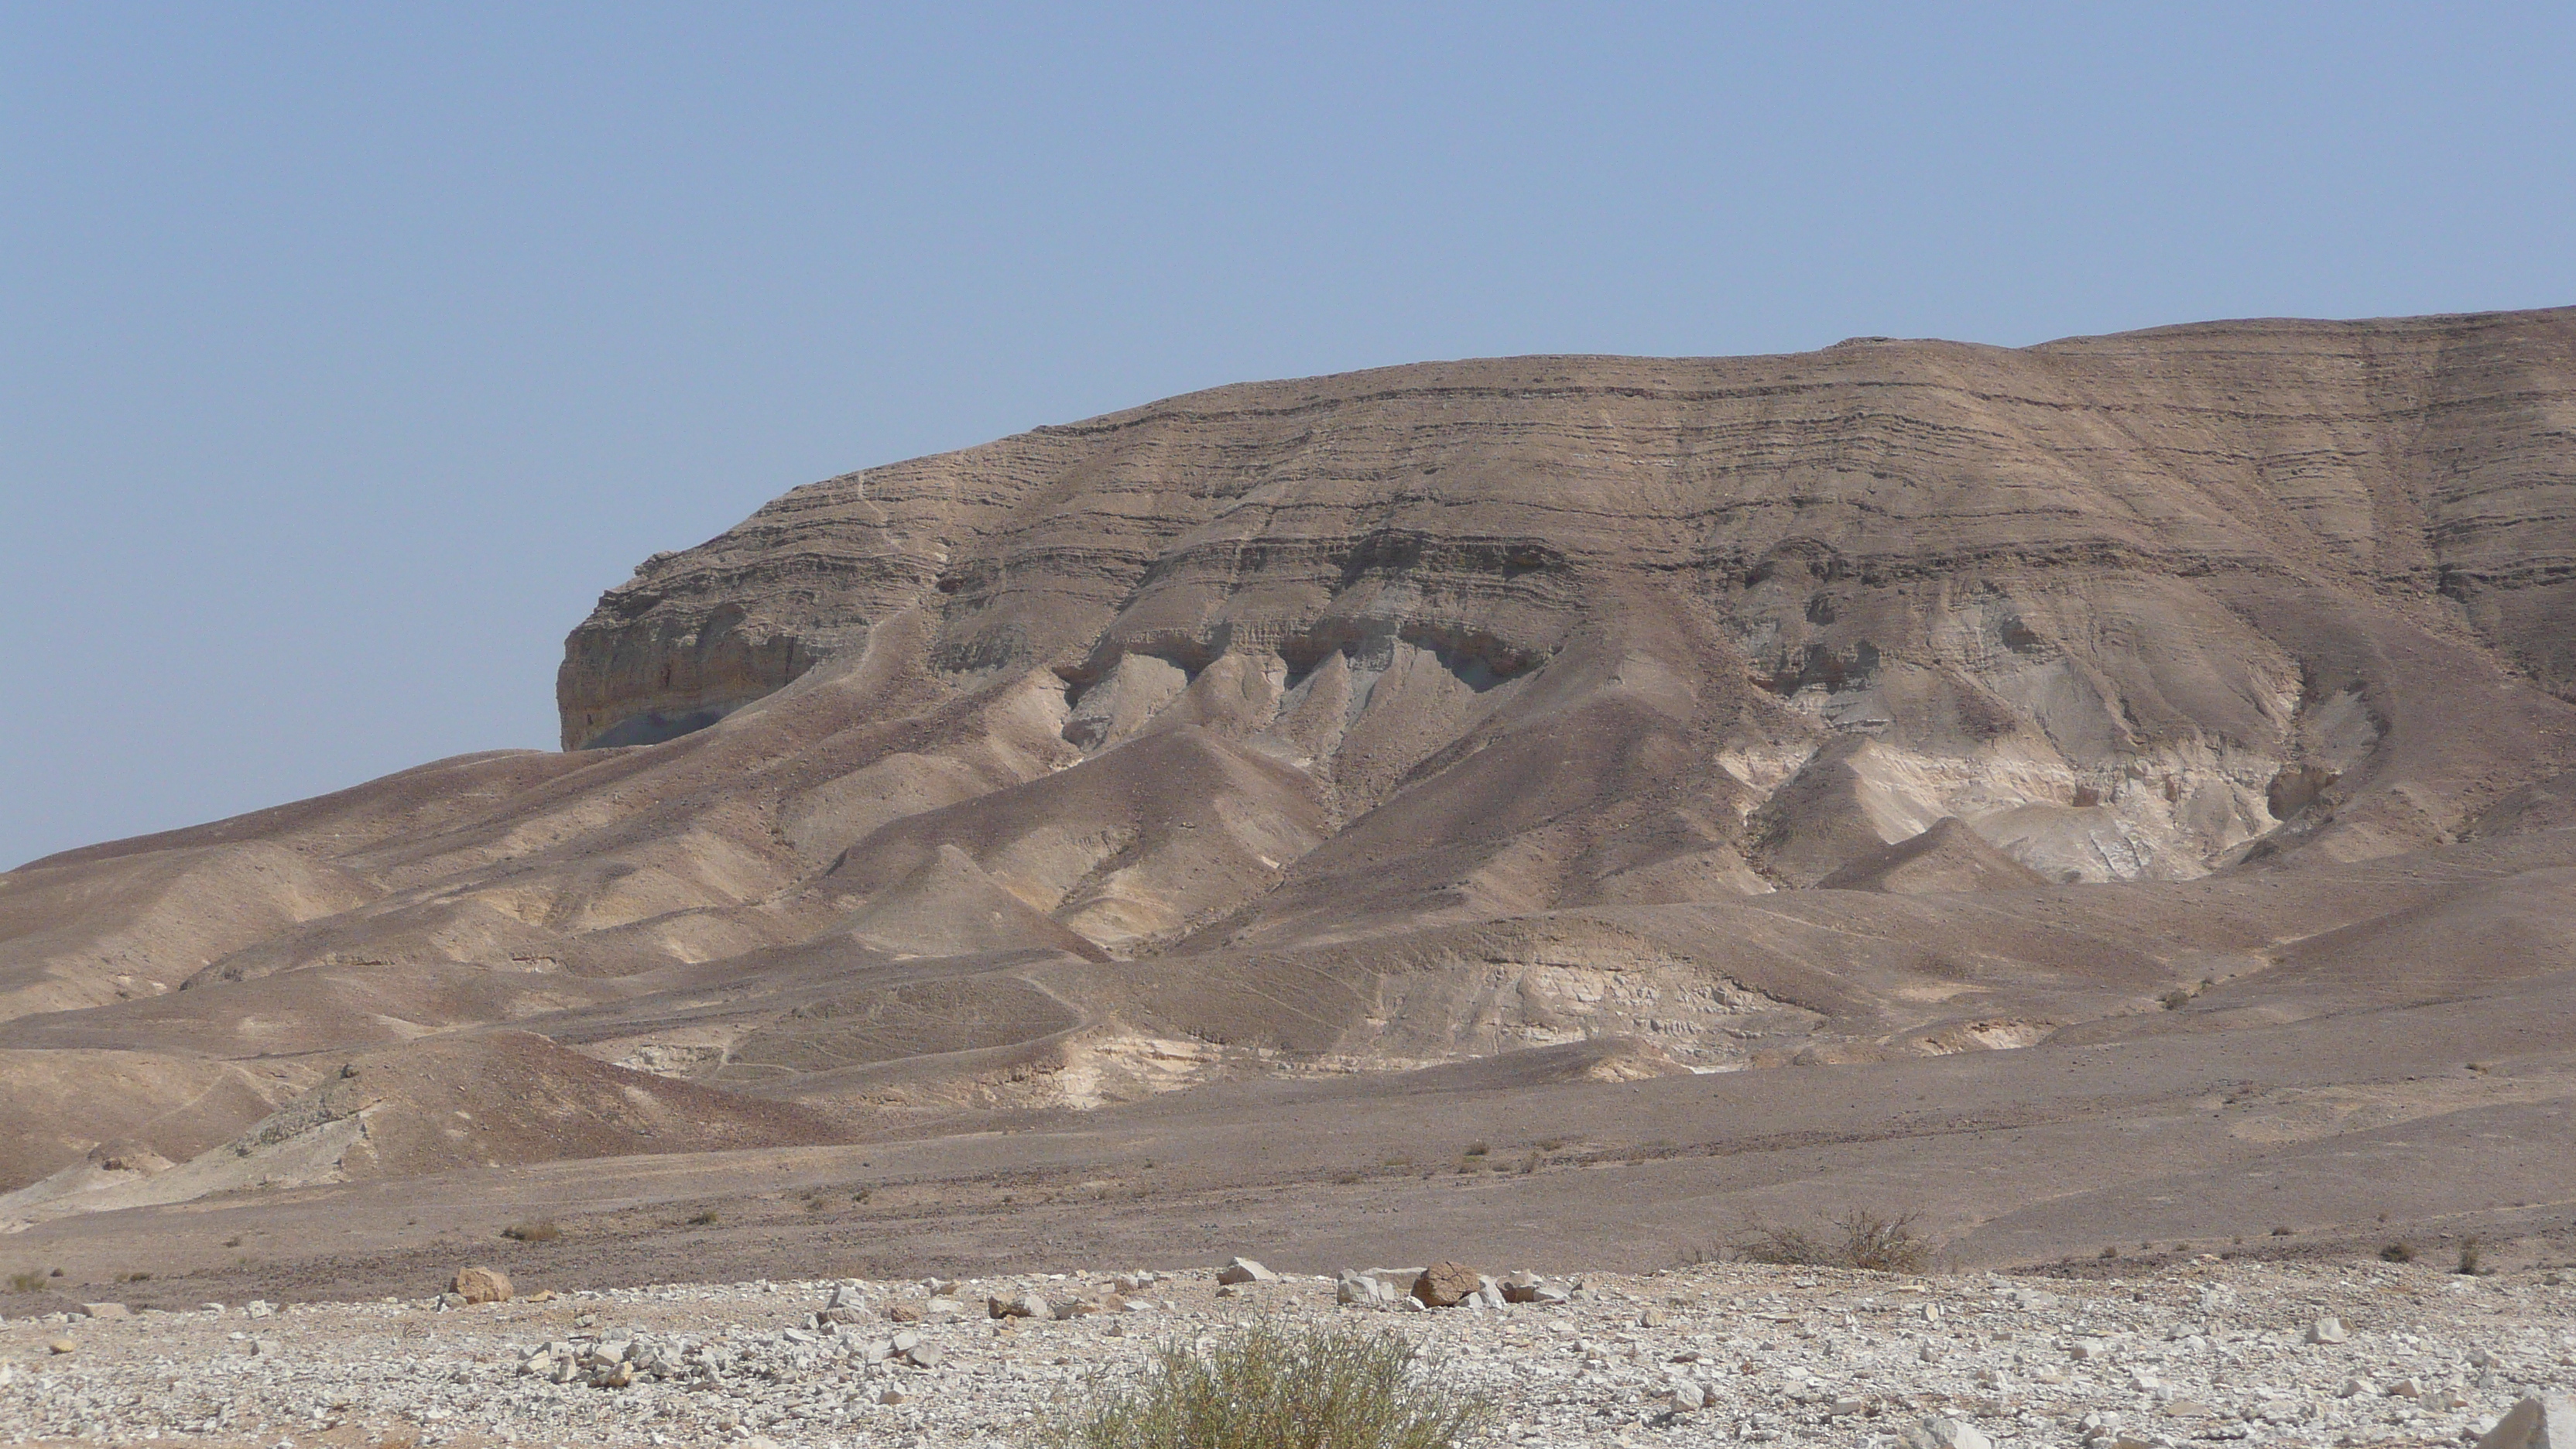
(481, 1285)
(1446, 1285)
(2539, 1422)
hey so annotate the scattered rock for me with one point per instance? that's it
(481, 1285)
(2326, 1330)
(1708, 1354)
(107, 1310)
(62, 1345)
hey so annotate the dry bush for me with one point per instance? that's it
(1858, 1238)
(1267, 1387)
(705, 1218)
(2398, 1253)
(538, 1232)
(28, 1281)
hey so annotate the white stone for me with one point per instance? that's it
(1244, 1270)
(1946, 1433)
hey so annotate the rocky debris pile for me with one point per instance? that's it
(1443, 1285)
(1733, 1353)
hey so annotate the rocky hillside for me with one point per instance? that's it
(1889, 702)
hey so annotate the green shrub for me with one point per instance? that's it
(1267, 1387)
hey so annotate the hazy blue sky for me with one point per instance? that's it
(349, 351)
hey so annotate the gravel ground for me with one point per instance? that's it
(2213, 1351)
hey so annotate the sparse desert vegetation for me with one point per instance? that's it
(1857, 1238)
(1273, 1387)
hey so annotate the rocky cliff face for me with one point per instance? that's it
(2125, 604)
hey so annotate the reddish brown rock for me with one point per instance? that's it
(1445, 1285)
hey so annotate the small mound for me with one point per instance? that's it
(57, 1106)
(1599, 1059)
(512, 1097)
(1945, 859)
(948, 906)
(501, 1099)
(2545, 805)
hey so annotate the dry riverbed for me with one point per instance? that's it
(2323, 1354)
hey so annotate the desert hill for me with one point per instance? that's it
(1863, 711)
